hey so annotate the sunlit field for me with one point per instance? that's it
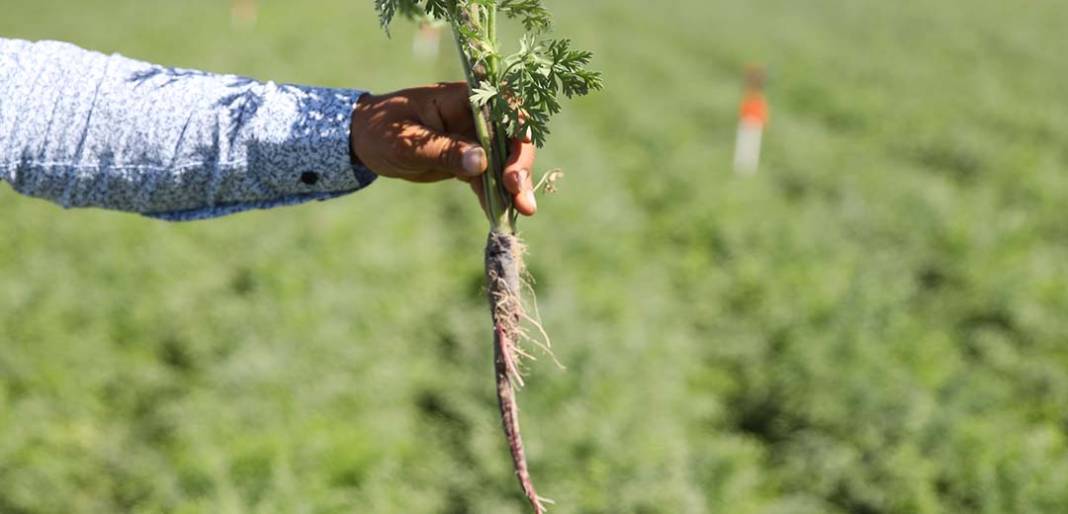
(877, 322)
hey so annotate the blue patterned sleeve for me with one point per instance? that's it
(84, 129)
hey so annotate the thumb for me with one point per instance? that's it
(430, 150)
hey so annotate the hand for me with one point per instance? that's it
(427, 134)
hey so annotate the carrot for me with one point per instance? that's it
(503, 276)
(512, 96)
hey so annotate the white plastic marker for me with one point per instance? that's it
(752, 119)
(427, 41)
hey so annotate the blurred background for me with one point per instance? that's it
(873, 323)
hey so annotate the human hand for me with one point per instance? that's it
(427, 134)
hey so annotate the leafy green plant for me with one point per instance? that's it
(512, 96)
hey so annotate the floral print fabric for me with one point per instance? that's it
(84, 129)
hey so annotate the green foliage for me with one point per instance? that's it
(411, 9)
(521, 88)
(873, 324)
(534, 16)
(537, 74)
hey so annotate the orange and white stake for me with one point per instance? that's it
(243, 13)
(427, 41)
(752, 119)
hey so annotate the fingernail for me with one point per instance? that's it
(530, 198)
(526, 187)
(474, 160)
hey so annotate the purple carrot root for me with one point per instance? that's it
(510, 420)
(503, 271)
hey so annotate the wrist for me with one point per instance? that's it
(355, 123)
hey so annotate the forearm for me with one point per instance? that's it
(84, 129)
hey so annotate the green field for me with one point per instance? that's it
(876, 323)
